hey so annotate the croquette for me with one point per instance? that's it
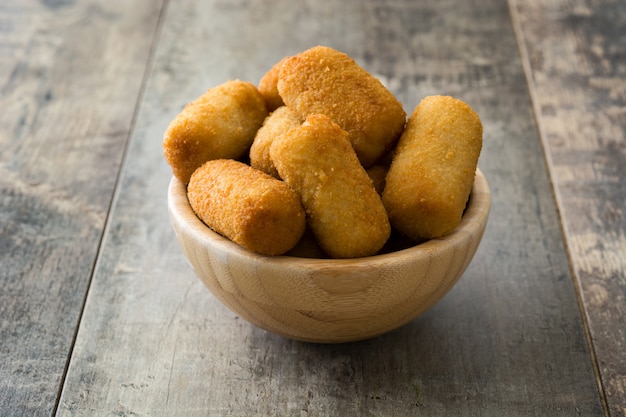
(249, 207)
(268, 86)
(278, 123)
(344, 211)
(221, 123)
(433, 167)
(322, 80)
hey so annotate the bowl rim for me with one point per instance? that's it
(474, 217)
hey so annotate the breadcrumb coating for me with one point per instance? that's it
(221, 123)
(268, 86)
(432, 171)
(344, 211)
(322, 80)
(247, 206)
(278, 123)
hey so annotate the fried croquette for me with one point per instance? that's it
(377, 174)
(344, 212)
(219, 124)
(279, 122)
(247, 206)
(433, 168)
(322, 80)
(268, 86)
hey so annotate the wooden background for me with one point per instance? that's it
(101, 315)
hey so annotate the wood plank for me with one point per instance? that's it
(70, 76)
(506, 341)
(577, 67)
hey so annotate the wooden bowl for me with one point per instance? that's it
(329, 300)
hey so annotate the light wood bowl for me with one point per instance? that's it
(329, 300)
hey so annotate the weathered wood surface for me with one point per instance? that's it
(507, 340)
(70, 77)
(576, 56)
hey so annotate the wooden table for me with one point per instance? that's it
(102, 316)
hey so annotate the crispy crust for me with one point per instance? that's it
(344, 211)
(247, 206)
(278, 123)
(219, 124)
(377, 174)
(322, 80)
(433, 168)
(268, 86)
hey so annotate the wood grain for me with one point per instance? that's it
(506, 341)
(576, 71)
(329, 300)
(70, 76)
